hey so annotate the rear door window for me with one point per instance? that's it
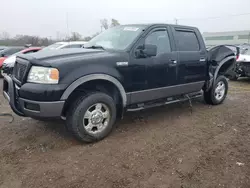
(187, 41)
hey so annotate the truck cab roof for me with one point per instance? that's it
(147, 25)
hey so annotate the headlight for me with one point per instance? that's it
(43, 75)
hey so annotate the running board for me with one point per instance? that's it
(169, 100)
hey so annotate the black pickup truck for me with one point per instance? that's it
(125, 68)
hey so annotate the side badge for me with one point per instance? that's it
(122, 64)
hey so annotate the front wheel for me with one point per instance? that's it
(91, 117)
(217, 94)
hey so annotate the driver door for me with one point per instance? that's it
(161, 70)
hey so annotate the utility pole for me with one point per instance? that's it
(67, 23)
(176, 21)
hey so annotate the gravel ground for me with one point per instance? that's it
(157, 148)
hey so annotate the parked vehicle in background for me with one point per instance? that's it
(8, 52)
(125, 68)
(242, 66)
(8, 63)
(62, 45)
(2, 48)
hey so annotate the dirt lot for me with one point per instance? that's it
(162, 147)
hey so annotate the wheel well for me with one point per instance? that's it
(226, 67)
(96, 85)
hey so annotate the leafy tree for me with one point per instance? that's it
(104, 23)
(87, 38)
(75, 36)
(21, 40)
(114, 22)
(5, 35)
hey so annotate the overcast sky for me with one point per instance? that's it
(48, 17)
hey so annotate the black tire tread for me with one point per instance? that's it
(71, 117)
(233, 77)
(209, 95)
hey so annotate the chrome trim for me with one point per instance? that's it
(202, 59)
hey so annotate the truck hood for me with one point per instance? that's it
(64, 55)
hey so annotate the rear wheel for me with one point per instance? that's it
(233, 77)
(217, 94)
(91, 117)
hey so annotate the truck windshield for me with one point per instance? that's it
(116, 38)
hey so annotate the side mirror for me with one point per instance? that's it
(150, 50)
(147, 50)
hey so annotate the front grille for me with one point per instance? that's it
(19, 69)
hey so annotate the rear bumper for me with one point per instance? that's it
(30, 108)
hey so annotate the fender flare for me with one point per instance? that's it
(91, 77)
(220, 65)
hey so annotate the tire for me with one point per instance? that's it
(80, 115)
(215, 95)
(233, 77)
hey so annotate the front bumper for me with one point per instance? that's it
(30, 108)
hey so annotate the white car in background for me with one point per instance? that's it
(63, 45)
(242, 65)
(244, 55)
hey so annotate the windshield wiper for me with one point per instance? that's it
(96, 47)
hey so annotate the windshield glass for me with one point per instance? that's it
(53, 46)
(116, 38)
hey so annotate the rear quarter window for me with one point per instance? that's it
(187, 41)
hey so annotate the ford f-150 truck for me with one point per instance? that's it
(125, 68)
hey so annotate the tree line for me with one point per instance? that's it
(21, 40)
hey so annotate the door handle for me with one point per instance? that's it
(173, 61)
(202, 59)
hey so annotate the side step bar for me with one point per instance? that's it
(169, 100)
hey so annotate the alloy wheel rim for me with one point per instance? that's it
(220, 90)
(96, 118)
